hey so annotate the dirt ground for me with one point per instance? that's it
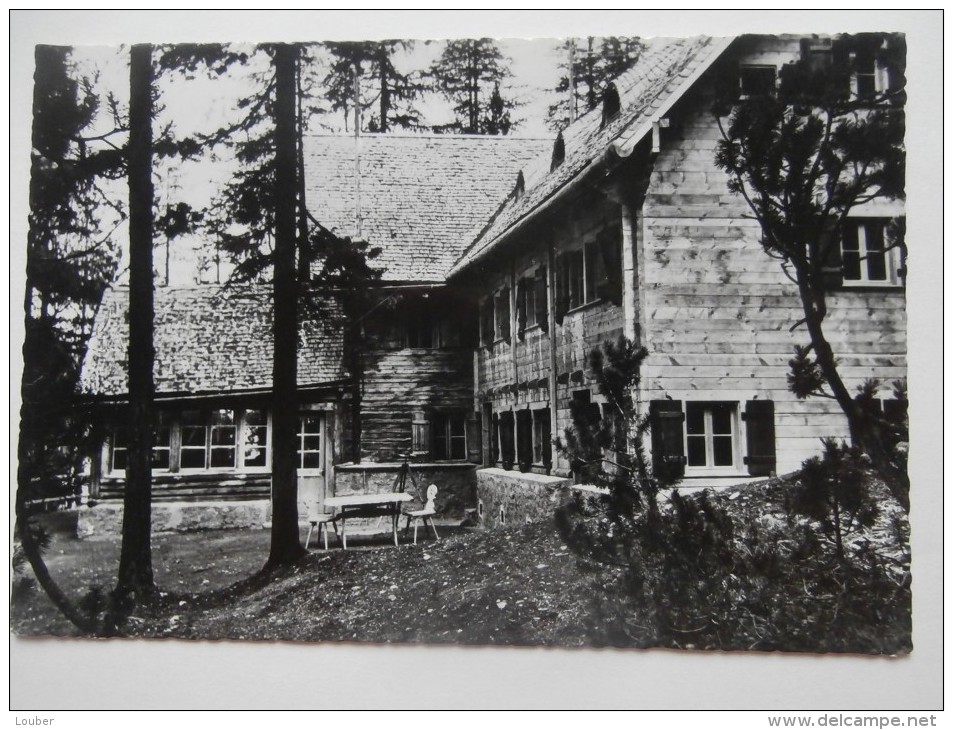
(517, 585)
(512, 586)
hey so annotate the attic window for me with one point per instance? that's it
(758, 81)
(611, 104)
(559, 151)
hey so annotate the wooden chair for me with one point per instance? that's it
(320, 520)
(424, 515)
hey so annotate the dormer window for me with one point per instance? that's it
(757, 80)
(611, 104)
(520, 186)
(559, 152)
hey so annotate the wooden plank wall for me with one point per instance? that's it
(582, 329)
(398, 382)
(718, 310)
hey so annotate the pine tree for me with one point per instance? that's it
(470, 74)
(387, 95)
(135, 559)
(803, 156)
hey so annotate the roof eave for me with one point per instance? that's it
(613, 150)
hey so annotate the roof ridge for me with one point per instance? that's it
(430, 135)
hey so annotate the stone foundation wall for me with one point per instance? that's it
(106, 518)
(512, 497)
(456, 483)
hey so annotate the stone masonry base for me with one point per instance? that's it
(511, 497)
(106, 518)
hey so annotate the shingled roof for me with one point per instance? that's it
(208, 339)
(422, 197)
(665, 70)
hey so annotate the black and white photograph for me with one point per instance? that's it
(577, 340)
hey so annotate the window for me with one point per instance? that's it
(255, 439)
(501, 309)
(705, 437)
(864, 256)
(309, 441)
(420, 329)
(203, 439)
(161, 445)
(865, 75)
(531, 304)
(194, 440)
(711, 434)
(541, 437)
(590, 274)
(757, 80)
(449, 436)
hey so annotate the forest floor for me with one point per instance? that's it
(517, 585)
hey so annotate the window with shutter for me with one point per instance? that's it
(507, 439)
(524, 439)
(668, 445)
(759, 427)
(487, 322)
(542, 436)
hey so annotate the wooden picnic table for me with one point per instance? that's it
(384, 504)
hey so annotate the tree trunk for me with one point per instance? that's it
(285, 542)
(862, 437)
(135, 560)
(385, 91)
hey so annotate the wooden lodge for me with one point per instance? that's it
(506, 262)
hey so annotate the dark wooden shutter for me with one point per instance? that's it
(668, 439)
(505, 313)
(610, 245)
(507, 442)
(762, 456)
(546, 427)
(832, 270)
(495, 440)
(562, 288)
(474, 437)
(542, 302)
(524, 439)
(521, 308)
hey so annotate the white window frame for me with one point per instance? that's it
(891, 256)
(301, 434)
(175, 445)
(450, 437)
(737, 456)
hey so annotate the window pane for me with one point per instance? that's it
(223, 417)
(193, 458)
(757, 80)
(119, 459)
(193, 436)
(310, 425)
(696, 450)
(721, 418)
(312, 443)
(160, 458)
(876, 266)
(721, 446)
(695, 418)
(223, 436)
(256, 446)
(851, 263)
(222, 457)
(311, 460)
(458, 447)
